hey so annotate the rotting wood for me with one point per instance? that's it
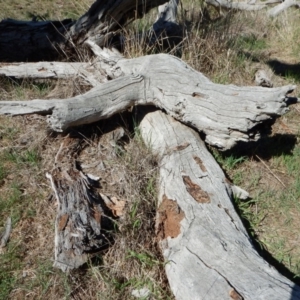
(226, 114)
(211, 255)
(83, 221)
(169, 216)
(195, 190)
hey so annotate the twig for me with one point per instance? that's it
(271, 171)
(5, 235)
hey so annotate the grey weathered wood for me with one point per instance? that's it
(208, 252)
(262, 78)
(230, 5)
(273, 12)
(239, 193)
(54, 70)
(168, 11)
(81, 221)
(4, 236)
(252, 5)
(226, 114)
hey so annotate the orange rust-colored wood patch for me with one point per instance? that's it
(181, 147)
(195, 191)
(200, 163)
(62, 223)
(235, 295)
(169, 218)
(96, 214)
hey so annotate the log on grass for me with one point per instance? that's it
(226, 114)
(207, 250)
(253, 5)
(273, 12)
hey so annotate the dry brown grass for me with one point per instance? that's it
(127, 171)
(227, 51)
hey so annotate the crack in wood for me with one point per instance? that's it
(235, 295)
(233, 292)
(200, 95)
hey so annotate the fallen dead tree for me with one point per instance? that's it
(208, 251)
(225, 114)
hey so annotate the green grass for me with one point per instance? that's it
(10, 269)
(28, 157)
(250, 43)
(292, 76)
(11, 203)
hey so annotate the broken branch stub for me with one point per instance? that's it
(226, 114)
(207, 250)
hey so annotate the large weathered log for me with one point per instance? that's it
(208, 252)
(226, 114)
(48, 40)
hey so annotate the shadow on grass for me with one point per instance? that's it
(267, 256)
(266, 148)
(284, 69)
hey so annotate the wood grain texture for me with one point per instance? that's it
(83, 220)
(54, 70)
(226, 114)
(212, 257)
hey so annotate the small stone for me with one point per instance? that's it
(143, 293)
